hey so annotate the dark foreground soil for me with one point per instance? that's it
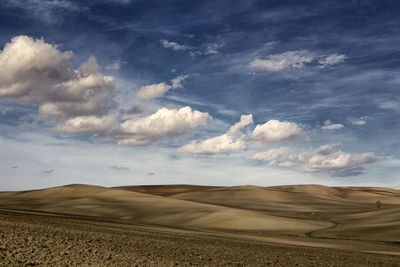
(48, 240)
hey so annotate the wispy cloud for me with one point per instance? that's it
(44, 10)
(331, 60)
(286, 60)
(294, 60)
(174, 45)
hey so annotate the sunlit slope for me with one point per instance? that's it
(379, 224)
(286, 199)
(127, 204)
(351, 210)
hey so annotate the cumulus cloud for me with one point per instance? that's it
(324, 159)
(36, 72)
(156, 90)
(286, 60)
(165, 123)
(331, 60)
(173, 45)
(329, 126)
(221, 144)
(86, 124)
(338, 161)
(275, 131)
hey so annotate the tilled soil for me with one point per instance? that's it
(46, 240)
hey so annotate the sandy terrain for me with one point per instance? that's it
(316, 225)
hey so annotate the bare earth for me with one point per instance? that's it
(185, 225)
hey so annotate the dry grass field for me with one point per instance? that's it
(184, 225)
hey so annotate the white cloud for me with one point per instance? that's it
(86, 124)
(271, 155)
(152, 91)
(328, 148)
(244, 121)
(177, 82)
(164, 123)
(337, 161)
(173, 45)
(156, 90)
(331, 60)
(278, 62)
(332, 127)
(329, 126)
(221, 144)
(338, 164)
(37, 72)
(275, 131)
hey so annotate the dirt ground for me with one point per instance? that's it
(45, 239)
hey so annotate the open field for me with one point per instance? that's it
(196, 225)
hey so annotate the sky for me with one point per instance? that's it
(129, 92)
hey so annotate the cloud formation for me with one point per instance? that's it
(337, 161)
(329, 126)
(294, 60)
(275, 131)
(271, 155)
(174, 45)
(357, 121)
(156, 90)
(152, 91)
(286, 60)
(221, 144)
(86, 124)
(165, 123)
(324, 159)
(36, 72)
(331, 60)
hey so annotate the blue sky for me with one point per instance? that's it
(116, 92)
